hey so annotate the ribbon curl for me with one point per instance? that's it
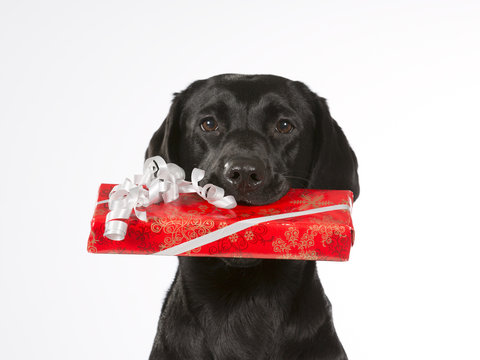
(159, 182)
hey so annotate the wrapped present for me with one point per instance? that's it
(305, 224)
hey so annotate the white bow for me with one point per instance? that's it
(159, 182)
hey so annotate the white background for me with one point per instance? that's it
(83, 87)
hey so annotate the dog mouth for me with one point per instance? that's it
(252, 200)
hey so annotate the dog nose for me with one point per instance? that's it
(245, 173)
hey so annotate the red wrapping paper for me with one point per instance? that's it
(322, 236)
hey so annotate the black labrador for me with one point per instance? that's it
(256, 136)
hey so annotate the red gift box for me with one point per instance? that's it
(305, 224)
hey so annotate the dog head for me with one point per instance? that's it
(256, 136)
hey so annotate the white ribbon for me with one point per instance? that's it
(159, 182)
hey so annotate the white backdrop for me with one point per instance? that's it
(84, 85)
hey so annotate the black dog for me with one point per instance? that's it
(256, 136)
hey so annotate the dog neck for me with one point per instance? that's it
(213, 281)
(252, 305)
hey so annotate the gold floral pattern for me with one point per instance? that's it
(91, 243)
(268, 212)
(306, 242)
(193, 251)
(291, 240)
(326, 231)
(327, 218)
(249, 235)
(307, 202)
(177, 229)
(200, 210)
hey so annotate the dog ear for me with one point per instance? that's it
(165, 140)
(335, 164)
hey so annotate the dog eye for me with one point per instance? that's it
(284, 126)
(209, 124)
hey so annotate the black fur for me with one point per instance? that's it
(244, 308)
